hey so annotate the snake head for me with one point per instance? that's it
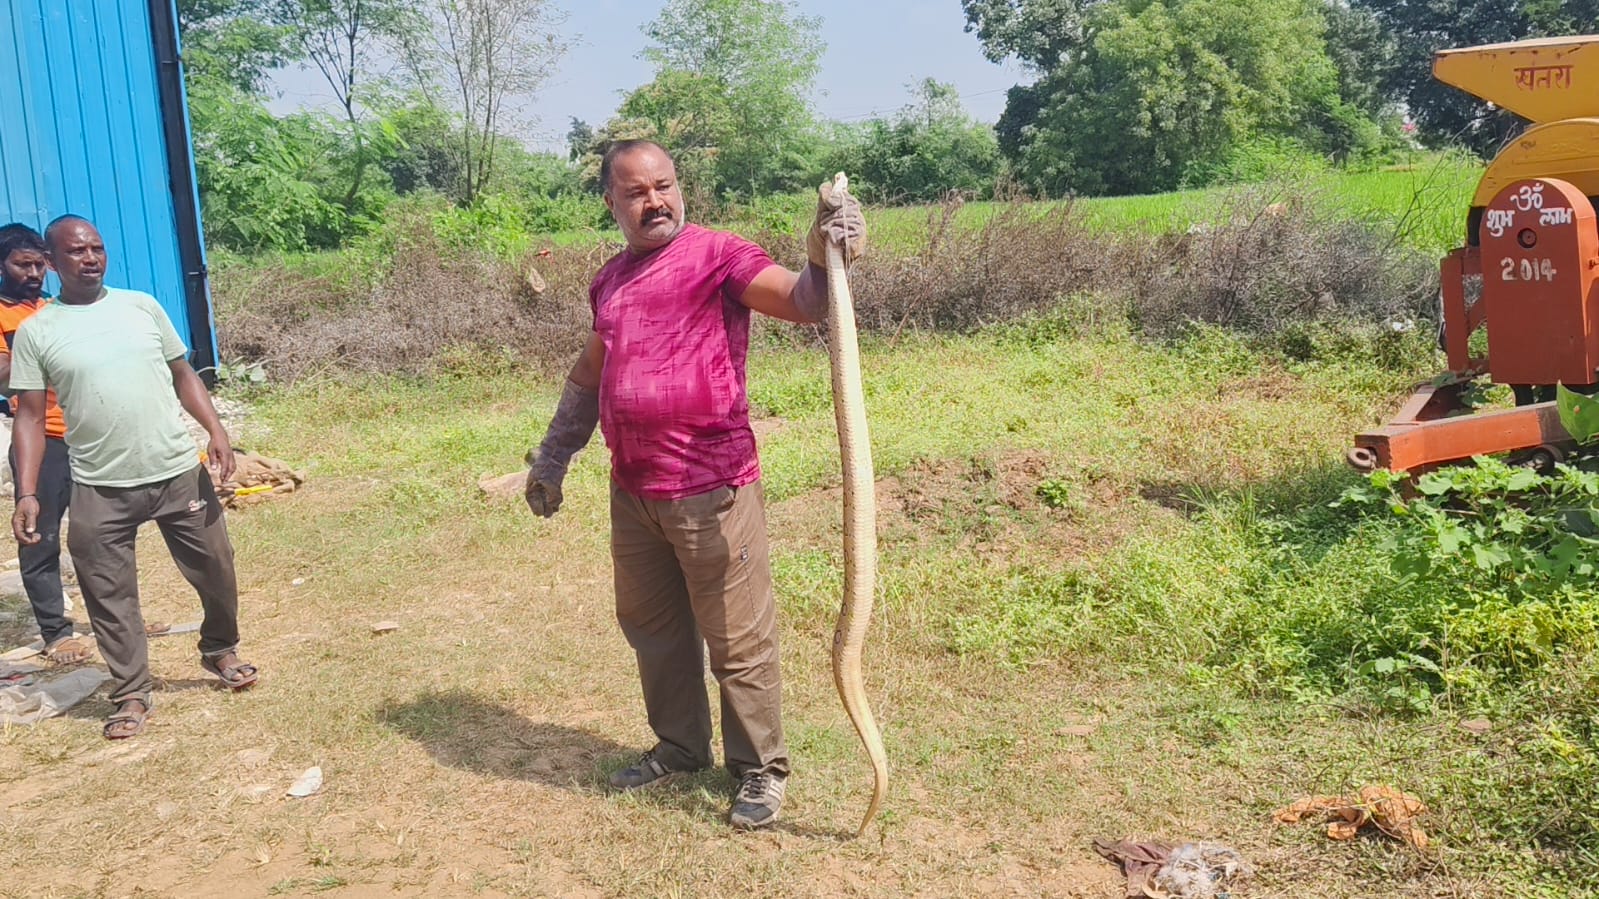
(833, 194)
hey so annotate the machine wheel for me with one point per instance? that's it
(1361, 459)
(1541, 459)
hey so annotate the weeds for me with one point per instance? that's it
(1278, 261)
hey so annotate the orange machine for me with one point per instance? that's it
(1533, 244)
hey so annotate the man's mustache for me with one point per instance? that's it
(650, 217)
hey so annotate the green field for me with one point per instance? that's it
(1425, 202)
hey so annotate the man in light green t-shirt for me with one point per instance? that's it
(120, 373)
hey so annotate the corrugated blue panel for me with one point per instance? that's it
(79, 79)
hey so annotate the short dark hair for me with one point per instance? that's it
(17, 236)
(54, 226)
(621, 148)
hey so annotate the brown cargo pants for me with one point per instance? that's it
(692, 569)
(101, 538)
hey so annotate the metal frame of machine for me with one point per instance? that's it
(1533, 243)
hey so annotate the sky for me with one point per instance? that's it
(875, 49)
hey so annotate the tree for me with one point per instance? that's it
(1043, 34)
(1165, 87)
(483, 55)
(932, 147)
(689, 113)
(579, 139)
(344, 40)
(262, 178)
(429, 158)
(230, 42)
(1443, 113)
(1364, 52)
(755, 62)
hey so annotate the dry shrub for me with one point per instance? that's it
(1020, 261)
(1264, 264)
(431, 303)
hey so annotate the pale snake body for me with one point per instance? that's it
(860, 517)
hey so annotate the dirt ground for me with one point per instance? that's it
(465, 752)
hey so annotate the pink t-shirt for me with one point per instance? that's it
(673, 407)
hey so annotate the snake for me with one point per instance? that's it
(860, 515)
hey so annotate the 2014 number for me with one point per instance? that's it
(1526, 269)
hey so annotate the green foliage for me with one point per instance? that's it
(1502, 559)
(265, 182)
(1494, 527)
(1255, 160)
(1168, 87)
(239, 375)
(730, 87)
(1445, 115)
(1138, 96)
(930, 149)
(505, 225)
(1579, 414)
(231, 42)
(1056, 493)
(1041, 33)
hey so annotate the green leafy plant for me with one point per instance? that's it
(1579, 414)
(1055, 493)
(239, 373)
(1492, 524)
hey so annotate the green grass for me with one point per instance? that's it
(1424, 202)
(1078, 528)
(1113, 601)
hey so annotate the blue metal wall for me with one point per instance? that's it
(82, 131)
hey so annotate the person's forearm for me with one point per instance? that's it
(810, 293)
(5, 371)
(585, 372)
(196, 401)
(27, 439)
(570, 429)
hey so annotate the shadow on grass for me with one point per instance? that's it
(464, 731)
(1297, 500)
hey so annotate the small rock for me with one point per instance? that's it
(505, 487)
(1476, 726)
(297, 582)
(1077, 730)
(253, 758)
(307, 783)
(383, 627)
(256, 792)
(166, 810)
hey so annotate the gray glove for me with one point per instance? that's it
(838, 218)
(570, 430)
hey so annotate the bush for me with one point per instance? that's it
(1272, 260)
(423, 300)
(1259, 159)
(1315, 284)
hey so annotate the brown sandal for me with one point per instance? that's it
(126, 723)
(238, 676)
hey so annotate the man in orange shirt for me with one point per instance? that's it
(22, 268)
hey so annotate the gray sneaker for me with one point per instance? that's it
(649, 771)
(759, 799)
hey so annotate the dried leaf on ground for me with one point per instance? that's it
(1391, 811)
